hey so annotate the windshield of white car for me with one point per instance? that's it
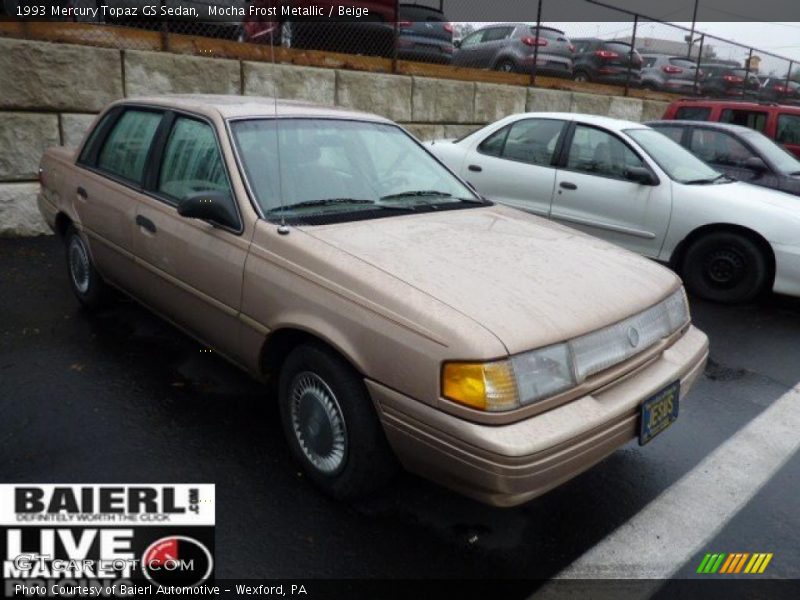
(342, 168)
(677, 162)
(780, 159)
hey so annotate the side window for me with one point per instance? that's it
(673, 133)
(497, 33)
(192, 162)
(125, 150)
(718, 147)
(753, 119)
(581, 47)
(788, 129)
(473, 39)
(693, 113)
(88, 148)
(493, 145)
(598, 152)
(533, 141)
(648, 61)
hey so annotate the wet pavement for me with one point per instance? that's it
(121, 396)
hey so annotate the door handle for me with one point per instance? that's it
(568, 186)
(81, 193)
(475, 168)
(145, 223)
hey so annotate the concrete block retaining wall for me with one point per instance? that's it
(50, 94)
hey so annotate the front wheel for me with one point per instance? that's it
(725, 267)
(331, 425)
(86, 283)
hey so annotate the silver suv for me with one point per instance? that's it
(511, 47)
(670, 73)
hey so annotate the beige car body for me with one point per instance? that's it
(397, 297)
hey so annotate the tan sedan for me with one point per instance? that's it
(397, 312)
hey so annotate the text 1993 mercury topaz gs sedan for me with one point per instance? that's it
(398, 313)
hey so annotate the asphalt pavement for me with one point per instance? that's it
(121, 396)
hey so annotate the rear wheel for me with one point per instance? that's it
(725, 267)
(581, 76)
(506, 66)
(330, 423)
(86, 283)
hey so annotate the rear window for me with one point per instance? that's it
(788, 129)
(549, 34)
(681, 62)
(754, 119)
(618, 47)
(693, 113)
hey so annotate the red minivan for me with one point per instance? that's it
(778, 122)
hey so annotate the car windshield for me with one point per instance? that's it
(298, 168)
(678, 163)
(781, 159)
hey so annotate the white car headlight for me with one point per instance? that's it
(542, 373)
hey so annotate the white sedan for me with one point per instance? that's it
(633, 186)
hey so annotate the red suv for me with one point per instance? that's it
(777, 121)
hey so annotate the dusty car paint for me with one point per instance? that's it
(396, 297)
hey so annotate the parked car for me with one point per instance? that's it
(629, 184)
(371, 34)
(606, 61)
(670, 74)
(779, 90)
(424, 34)
(398, 312)
(778, 122)
(726, 80)
(742, 153)
(510, 47)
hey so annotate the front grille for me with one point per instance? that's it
(604, 348)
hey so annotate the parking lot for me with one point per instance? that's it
(123, 397)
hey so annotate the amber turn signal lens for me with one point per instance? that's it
(483, 386)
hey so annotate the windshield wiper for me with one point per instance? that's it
(412, 193)
(708, 179)
(321, 202)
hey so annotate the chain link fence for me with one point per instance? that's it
(620, 48)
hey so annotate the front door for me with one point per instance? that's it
(595, 194)
(194, 268)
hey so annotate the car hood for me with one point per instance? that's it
(527, 280)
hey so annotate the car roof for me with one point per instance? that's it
(743, 104)
(704, 124)
(605, 122)
(231, 106)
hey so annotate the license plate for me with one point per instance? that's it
(659, 412)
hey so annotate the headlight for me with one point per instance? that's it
(532, 376)
(508, 384)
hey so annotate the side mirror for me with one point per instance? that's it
(757, 164)
(457, 43)
(216, 207)
(640, 175)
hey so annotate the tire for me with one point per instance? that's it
(581, 76)
(506, 66)
(725, 267)
(331, 425)
(86, 283)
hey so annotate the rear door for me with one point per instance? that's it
(594, 194)
(112, 169)
(515, 164)
(193, 268)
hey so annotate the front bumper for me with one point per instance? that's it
(510, 464)
(787, 269)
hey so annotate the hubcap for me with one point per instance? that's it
(725, 268)
(317, 422)
(79, 265)
(506, 67)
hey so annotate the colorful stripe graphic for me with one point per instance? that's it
(727, 564)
